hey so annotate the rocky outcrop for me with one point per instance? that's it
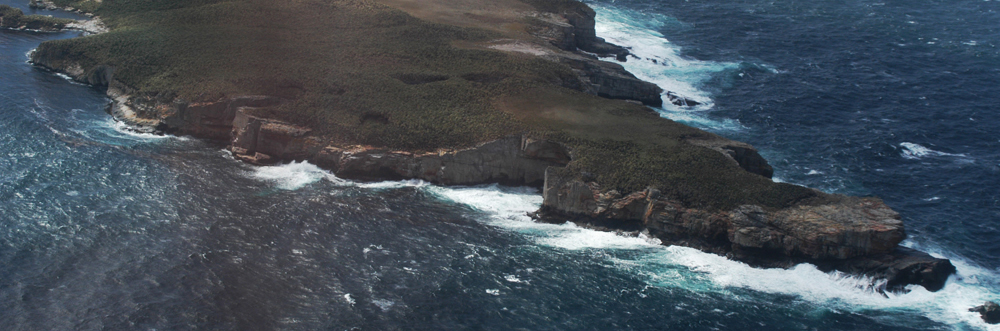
(856, 235)
(681, 101)
(743, 154)
(14, 18)
(517, 160)
(260, 141)
(990, 312)
(899, 267)
(609, 80)
(571, 29)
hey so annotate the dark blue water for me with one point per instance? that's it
(103, 229)
(898, 99)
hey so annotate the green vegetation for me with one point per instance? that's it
(342, 62)
(86, 6)
(14, 18)
(358, 72)
(628, 148)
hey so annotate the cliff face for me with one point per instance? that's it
(856, 235)
(572, 30)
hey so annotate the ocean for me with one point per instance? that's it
(101, 228)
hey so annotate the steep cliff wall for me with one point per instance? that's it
(858, 235)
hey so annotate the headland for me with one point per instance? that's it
(464, 92)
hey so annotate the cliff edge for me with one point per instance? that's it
(468, 92)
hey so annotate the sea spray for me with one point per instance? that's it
(655, 59)
(691, 269)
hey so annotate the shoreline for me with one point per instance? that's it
(755, 235)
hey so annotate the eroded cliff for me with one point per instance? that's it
(608, 164)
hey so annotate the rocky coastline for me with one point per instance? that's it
(859, 236)
(13, 18)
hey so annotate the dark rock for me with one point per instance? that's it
(573, 29)
(255, 136)
(900, 267)
(513, 160)
(990, 312)
(678, 100)
(854, 235)
(742, 153)
(582, 18)
(610, 80)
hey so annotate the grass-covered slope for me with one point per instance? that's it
(359, 72)
(364, 72)
(14, 18)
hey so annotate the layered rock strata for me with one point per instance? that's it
(854, 235)
(989, 312)
(850, 234)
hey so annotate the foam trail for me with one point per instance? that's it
(660, 62)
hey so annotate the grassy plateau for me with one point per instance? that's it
(368, 72)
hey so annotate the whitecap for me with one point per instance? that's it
(125, 129)
(69, 79)
(383, 304)
(694, 270)
(294, 175)
(914, 151)
(658, 61)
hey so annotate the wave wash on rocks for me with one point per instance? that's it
(855, 235)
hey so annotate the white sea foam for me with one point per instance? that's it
(914, 151)
(349, 299)
(124, 129)
(293, 176)
(691, 269)
(69, 79)
(390, 184)
(661, 63)
(687, 268)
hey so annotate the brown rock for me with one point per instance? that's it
(856, 235)
(513, 160)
